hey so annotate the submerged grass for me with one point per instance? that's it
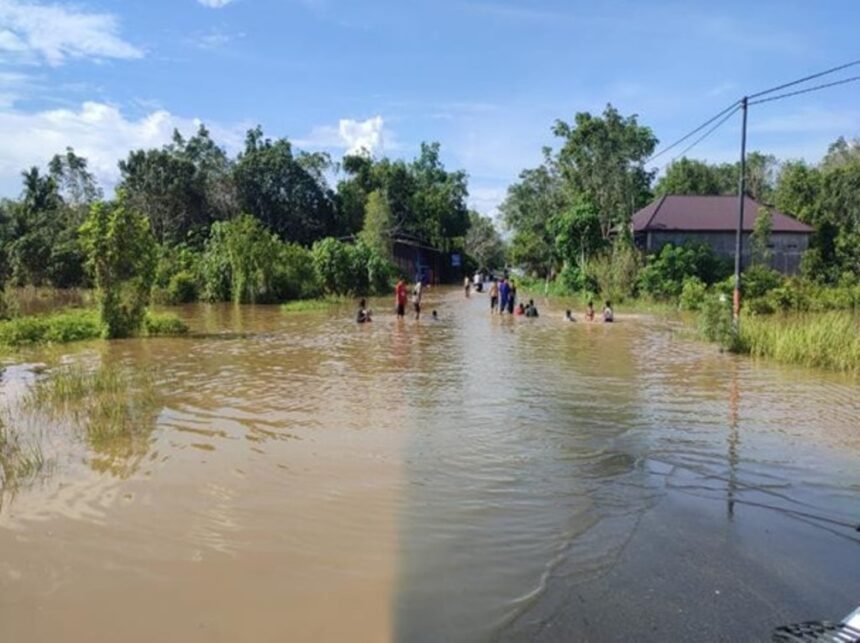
(19, 463)
(306, 305)
(75, 325)
(115, 407)
(829, 340)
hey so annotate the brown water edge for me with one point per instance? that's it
(306, 478)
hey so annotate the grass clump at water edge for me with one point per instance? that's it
(18, 462)
(308, 305)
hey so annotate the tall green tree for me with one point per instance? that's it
(121, 255)
(277, 189)
(602, 158)
(484, 243)
(378, 224)
(689, 176)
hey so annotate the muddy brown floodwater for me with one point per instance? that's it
(298, 477)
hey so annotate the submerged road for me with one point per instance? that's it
(298, 477)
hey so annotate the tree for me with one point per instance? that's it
(121, 256)
(689, 176)
(276, 188)
(376, 232)
(602, 159)
(577, 233)
(484, 243)
(75, 184)
(181, 188)
(760, 237)
(527, 210)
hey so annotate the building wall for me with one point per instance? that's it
(787, 248)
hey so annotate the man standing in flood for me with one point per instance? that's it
(504, 294)
(400, 297)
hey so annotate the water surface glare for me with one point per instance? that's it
(298, 477)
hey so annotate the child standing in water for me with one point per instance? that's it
(589, 311)
(400, 297)
(416, 298)
(363, 314)
(494, 295)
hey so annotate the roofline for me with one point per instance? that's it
(727, 230)
(656, 210)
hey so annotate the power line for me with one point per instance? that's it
(706, 134)
(805, 79)
(807, 90)
(731, 108)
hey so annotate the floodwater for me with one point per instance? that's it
(298, 477)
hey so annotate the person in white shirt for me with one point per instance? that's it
(416, 298)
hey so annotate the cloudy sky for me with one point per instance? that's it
(486, 79)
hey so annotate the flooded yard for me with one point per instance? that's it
(298, 477)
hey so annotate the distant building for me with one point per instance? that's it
(714, 220)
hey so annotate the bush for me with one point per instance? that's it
(693, 294)
(182, 288)
(121, 254)
(664, 276)
(616, 273)
(757, 281)
(69, 326)
(160, 324)
(345, 269)
(715, 322)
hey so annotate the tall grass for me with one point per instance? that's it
(306, 305)
(18, 462)
(116, 409)
(828, 340)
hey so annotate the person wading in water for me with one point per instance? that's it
(400, 297)
(416, 298)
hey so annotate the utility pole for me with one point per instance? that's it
(736, 300)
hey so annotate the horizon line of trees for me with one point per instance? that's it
(195, 198)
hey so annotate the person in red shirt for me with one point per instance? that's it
(400, 297)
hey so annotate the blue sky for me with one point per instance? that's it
(486, 79)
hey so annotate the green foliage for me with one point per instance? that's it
(663, 277)
(602, 159)
(181, 188)
(182, 288)
(760, 237)
(121, 256)
(484, 244)
(577, 234)
(689, 176)
(248, 264)
(345, 269)
(616, 272)
(69, 326)
(163, 324)
(693, 294)
(715, 322)
(828, 340)
(758, 280)
(313, 305)
(378, 224)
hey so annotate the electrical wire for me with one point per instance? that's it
(805, 79)
(705, 135)
(731, 107)
(806, 90)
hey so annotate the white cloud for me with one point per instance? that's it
(97, 131)
(215, 39)
(352, 136)
(214, 4)
(34, 32)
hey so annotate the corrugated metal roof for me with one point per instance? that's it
(708, 214)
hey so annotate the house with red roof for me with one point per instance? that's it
(713, 220)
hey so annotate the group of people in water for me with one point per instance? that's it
(503, 299)
(590, 315)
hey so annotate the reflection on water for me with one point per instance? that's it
(436, 481)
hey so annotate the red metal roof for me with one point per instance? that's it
(708, 214)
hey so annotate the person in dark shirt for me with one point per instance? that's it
(531, 309)
(363, 315)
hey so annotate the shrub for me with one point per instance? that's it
(757, 281)
(616, 273)
(665, 273)
(156, 324)
(345, 269)
(715, 322)
(61, 327)
(182, 288)
(693, 294)
(121, 255)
